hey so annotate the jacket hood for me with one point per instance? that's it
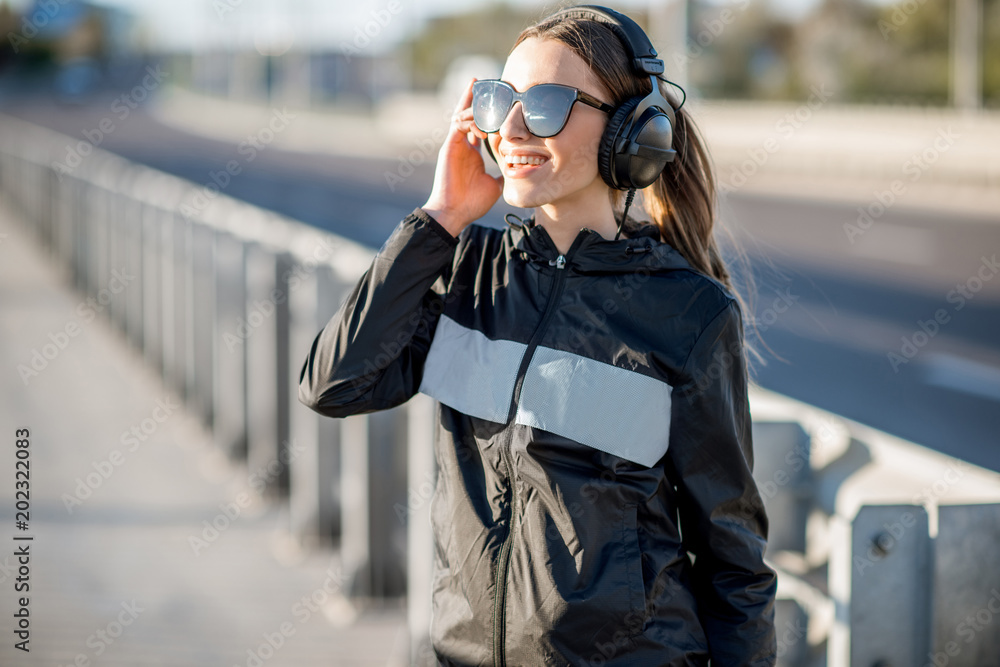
(639, 249)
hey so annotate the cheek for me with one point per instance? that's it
(577, 154)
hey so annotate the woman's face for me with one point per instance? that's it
(568, 170)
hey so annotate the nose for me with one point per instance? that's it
(513, 126)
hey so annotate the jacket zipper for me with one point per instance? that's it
(500, 603)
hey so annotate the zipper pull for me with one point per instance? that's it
(559, 262)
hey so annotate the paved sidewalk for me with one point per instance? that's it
(114, 578)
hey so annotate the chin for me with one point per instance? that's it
(522, 197)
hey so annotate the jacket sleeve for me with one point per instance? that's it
(723, 522)
(370, 355)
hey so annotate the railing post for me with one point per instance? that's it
(267, 362)
(151, 292)
(202, 327)
(168, 299)
(421, 481)
(355, 518)
(232, 330)
(880, 579)
(966, 603)
(370, 471)
(314, 467)
(783, 475)
(117, 247)
(176, 304)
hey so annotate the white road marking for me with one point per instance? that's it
(961, 374)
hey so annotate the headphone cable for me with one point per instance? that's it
(628, 202)
(683, 92)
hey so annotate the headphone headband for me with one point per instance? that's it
(638, 140)
(640, 50)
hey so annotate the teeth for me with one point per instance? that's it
(524, 159)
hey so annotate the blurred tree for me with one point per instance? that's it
(991, 54)
(831, 42)
(742, 49)
(489, 30)
(905, 55)
(896, 54)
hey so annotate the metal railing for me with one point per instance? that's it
(885, 549)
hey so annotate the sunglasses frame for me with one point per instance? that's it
(580, 96)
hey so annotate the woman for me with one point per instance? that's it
(590, 375)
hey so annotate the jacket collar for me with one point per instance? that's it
(639, 248)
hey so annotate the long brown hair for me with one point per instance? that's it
(682, 201)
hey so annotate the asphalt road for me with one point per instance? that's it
(895, 327)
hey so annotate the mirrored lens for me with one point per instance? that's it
(491, 101)
(546, 108)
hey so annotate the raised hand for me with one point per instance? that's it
(463, 192)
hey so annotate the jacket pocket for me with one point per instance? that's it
(636, 618)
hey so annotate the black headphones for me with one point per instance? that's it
(637, 142)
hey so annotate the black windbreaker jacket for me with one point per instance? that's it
(591, 407)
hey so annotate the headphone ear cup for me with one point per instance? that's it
(614, 130)
(646, 150)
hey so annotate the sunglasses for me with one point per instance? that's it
(545, 107)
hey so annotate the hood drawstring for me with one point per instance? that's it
(628, 202)
(527, 255)
(634, 250)
(519, 225)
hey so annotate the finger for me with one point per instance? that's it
(469, 127)
(463, 116)
(465, 102)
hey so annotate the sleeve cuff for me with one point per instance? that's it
(421, 214)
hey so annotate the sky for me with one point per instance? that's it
(368, 25)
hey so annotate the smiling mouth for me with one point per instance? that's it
(516, 160)
(523, 164)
